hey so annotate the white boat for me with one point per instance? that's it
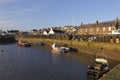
(98, 68)
(101, 60)
(60, 48)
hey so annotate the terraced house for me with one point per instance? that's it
(100, 28)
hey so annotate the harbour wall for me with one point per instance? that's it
(114, 74)
(108, 50)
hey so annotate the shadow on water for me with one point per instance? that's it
(73, 49)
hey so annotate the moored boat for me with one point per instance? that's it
(60, 48)
(23, 43)
(98, 68)
(39, 44)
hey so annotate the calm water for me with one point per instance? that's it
(41, 63)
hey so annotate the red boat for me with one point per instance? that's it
(23, 43)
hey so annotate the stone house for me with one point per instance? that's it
(99, 28)
(69, 29)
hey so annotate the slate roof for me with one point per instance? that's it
(12, 31)
(100, 24)
(58, 31)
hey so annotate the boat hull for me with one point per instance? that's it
(98, 68)
(59, 48)
(24, 44)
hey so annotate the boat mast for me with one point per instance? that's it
(71, 31)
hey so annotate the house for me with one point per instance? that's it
(99, 28)
(34, 32)
(55, 31)
(45, 32)
(69, 29)
(3, 33)
(12, 32)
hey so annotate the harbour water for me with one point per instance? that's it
(41, 63)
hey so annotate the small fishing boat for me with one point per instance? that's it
(59, 48)
(39, 44)
(23, 43)
(98, 68)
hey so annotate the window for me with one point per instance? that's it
(103, 28)
(97, 29)
(80, 30)
(86, 29)
(91, 29)
(109, 28)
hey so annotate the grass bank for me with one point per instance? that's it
(109, 50)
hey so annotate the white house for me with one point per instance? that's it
(45, 32)
(51, 31)
(55, 31)
(12, 32)
(2, 32)
(34, 32)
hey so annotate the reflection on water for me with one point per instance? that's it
(40, 63)
(55, 55)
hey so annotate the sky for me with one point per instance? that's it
(38, 14)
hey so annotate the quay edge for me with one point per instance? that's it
(108, 50)
(114, 74)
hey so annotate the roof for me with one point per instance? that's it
(58, 31)
(13, 31)
(101, 24)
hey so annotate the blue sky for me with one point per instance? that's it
(37, 14)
